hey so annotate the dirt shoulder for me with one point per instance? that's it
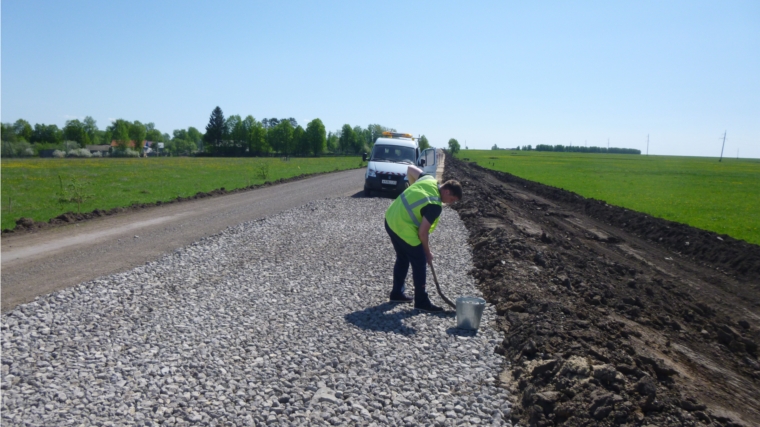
(46, 259)
(613, 317)
(27, 225)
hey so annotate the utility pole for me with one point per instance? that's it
(647, 144)
(721, 148)
(608, 144)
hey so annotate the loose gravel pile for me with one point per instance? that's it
(282, 321)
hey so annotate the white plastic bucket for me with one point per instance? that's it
(469, 312)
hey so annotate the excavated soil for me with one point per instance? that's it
(613, 317)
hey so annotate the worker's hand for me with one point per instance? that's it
(429, 256)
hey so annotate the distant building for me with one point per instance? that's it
(115, 143)
(131, 144)
(102, 149)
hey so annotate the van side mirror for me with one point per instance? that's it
(422, 162)
(364, 157)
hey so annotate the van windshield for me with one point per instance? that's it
(392, 153)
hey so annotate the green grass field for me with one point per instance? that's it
(722, 197)
(31, 187)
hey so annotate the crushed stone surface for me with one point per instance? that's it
(282, 321)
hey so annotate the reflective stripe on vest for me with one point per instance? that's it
(410, 208)
(404, 215)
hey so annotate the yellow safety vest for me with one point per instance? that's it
(404, 215)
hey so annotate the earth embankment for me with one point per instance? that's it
(613, 317)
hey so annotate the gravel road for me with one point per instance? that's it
(282, 321)
(48, 260)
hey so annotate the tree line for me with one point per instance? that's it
(224, 136)
(361, 140)
(572, 149)
(237, 136)
(20, 139)
(580, 149)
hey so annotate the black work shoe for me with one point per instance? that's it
(429, 307)
(401, 298)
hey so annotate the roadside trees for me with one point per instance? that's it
(280, 137)
(153, 134)
(180, 147)
(215, 130)
(257, 139)
(453, 146)
(119, 131)
(424, 144)
(375, 131)
(315, 137)
(270, 123)
(23, 130)
(300, 148)
(346, 139)
(91, 127)
(360, 140)
(191, 134)
(196, 136)
(236, 135)
(74, 130)
(137, 134)
(7, 132)
(46, 133)
(332, 142)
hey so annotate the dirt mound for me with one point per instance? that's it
(608, 324)
(68, 217)
(722, 252)
(28, 224)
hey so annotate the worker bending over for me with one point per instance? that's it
(409, 221)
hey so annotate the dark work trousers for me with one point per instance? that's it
(407, 254)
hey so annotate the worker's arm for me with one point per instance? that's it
(423, 234)
(413, 173)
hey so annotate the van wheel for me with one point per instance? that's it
(367, 192)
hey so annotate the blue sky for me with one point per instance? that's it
(505, 73)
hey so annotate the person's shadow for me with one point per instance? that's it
(377, 318)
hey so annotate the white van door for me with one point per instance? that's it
(430, 164)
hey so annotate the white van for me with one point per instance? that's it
(388, 162)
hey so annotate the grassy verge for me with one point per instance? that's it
(699, 191)
(32, 188)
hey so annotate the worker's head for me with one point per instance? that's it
(451, 191)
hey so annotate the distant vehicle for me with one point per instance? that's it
(391, 155)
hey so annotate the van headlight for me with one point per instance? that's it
(371, 173)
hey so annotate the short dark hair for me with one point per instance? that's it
(454, 187)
